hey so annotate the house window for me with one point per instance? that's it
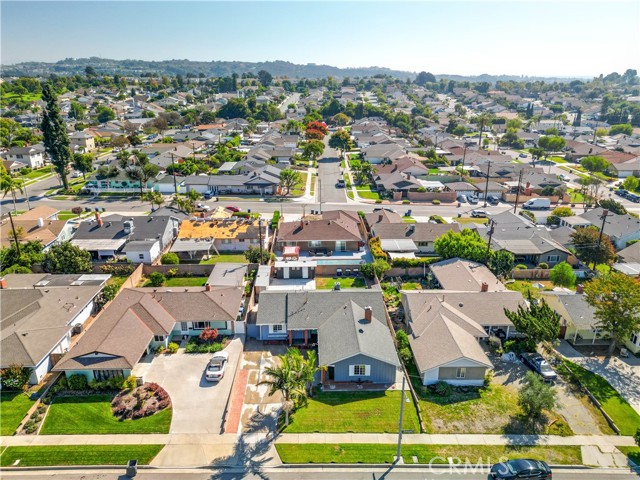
(101, 375)
(553, 258)
(158, 338)
(277, 328)
(461, 372)
(201, 325)
(634, 338)
(141, 256)
(360, 370)
(184, 326)
(226, 240)
(341, 246)
(315, 243)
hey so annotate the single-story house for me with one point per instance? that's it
(39, 315)
(39, 224)
(422, 235)
(465, 276)
(621, 229)
(139, 320)
(350, 328)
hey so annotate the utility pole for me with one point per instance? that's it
(486, 187)
(320, 193)
(15, 235)
(260, 238)
(398, 455)
(605, 214)
(26, 194)
(464, 156)
(518, 191)
(492, 227)
(173, 172)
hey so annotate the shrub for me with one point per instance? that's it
(130, 383)
(520, 266)
(378, 201)
(361, 214)
(30, 427)
(519, 346)
(172, 272)
(636, 437)
(443, 389)
(376, 248)
(159, 350)
(77, 383)
(170, 259)
(173, 347)
(405, 355)
(377, 268)
(495, 345)
(275, 221)
(107, 294)
(413, 262)
(208, 334)
(437, 219)
(529, 215)
(402, 339)
(544, 266)
(76, 210)
(435, 201)
(406, 202)
(535, 396)
(117, 270)
(562, 212)
(488, 378)
(15, 377)
(157, 279)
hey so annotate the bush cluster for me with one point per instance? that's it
(437, 219)
(15, 377)
(141, 402)
(376, 248)
(117, 270)
(170, 259)
(275, 220)
(195, 345)
(519, 346)
(413, 262)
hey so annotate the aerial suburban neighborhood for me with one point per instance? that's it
(254, 268)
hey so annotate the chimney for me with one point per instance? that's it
(98, 219)
(368, 314)
(207, 287)
(40, 222)
(3, 283)
(484, 287)
(580, 288)
(380, 217)
(301, 223)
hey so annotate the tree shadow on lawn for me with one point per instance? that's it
(523, 431)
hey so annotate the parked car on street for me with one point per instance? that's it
(479, 213)
(232, 208)
(340, 183)
(472, 200)
(539, 365)
(202, 207)
(217, 366)
(493, 199)
(521, 468)
(523, 155)
(462, 198)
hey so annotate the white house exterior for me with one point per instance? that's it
(27, 155)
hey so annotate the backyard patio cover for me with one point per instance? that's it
(398, 245)
(291, 252)
(191, 245)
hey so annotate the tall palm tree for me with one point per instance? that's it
(11, 185)
(306, 367)
(154, 198)
(485, 119)
(285, 379)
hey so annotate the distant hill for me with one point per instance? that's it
(278, 68)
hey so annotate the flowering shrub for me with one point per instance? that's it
(140, 402)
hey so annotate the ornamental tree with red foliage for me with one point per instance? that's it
(209, 334)
(313, 134)
(320, 126)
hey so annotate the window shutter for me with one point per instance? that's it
(351, 370)
(367, 370)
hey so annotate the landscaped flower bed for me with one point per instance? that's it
(140, 402)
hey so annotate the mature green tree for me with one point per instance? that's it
(594, 163)
(590, 248)
(425, 77)
(154, 198)
(265, 78)
(83, 162)
(467, 245)
(288, 179)
(76, 111)
(536, 396)
(484, 120)
(562, 275)
(613, 206)
(501, 263)
(631, 183)
(341, 140)
(616, 299)
(30, 254)
(105, 114)
(624, 128)
(551, 143)
(67, 258)
(257, 255)
(11, 185)
(536, 154)
(537, 321)
(341, 119)
(362, 171)
(375, 269)
(234, 108)
(511, 139)
(56, 140)
(312, 150)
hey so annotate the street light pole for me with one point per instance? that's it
(398, 455)
(486, 187)
(173, 172)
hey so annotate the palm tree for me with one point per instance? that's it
(154, 198)
(285, 379)
(8, 184)
(306, 367)
(484, 120)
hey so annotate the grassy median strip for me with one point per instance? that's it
(13, 407)
(435, 454)
(36, 456)
(632, 453)
(622, 414)
(92, 414)
(344, 412)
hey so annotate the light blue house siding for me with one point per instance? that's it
(379, 372)
(265, 332)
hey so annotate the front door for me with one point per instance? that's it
(331, 373)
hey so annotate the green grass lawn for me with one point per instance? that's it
(437, 454)
(299, 188)
(556, 159)
(13, 407)
(576, 196)
(182, 282)
(344, 412)
(326, 283)
(27, 97)
(33, 456)
(464, 220)
(225, 257)
(116, 280)
(622, 414)
(524, 288)
(632, 452)
(408, 220)
(411, 286)
(350, 194)
(364, 191)
(41, 172)
(91, 414)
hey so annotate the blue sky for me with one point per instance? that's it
(570, 38)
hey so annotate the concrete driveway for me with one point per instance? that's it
(198, 405)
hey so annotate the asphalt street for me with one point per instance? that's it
(329, 172)
(310, 473)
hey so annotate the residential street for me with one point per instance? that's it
(328, 175)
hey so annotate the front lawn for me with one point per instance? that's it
(300, 187)
(326, 283)
(34, 174)
(91, 414)
(492, 410)
(622, 414)
(464, 220)
(225, 257)
(44, 456)
(435, 454)
(181, 282)
(364, 191)
(408, 220)
(13, 407)
(344, 412)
